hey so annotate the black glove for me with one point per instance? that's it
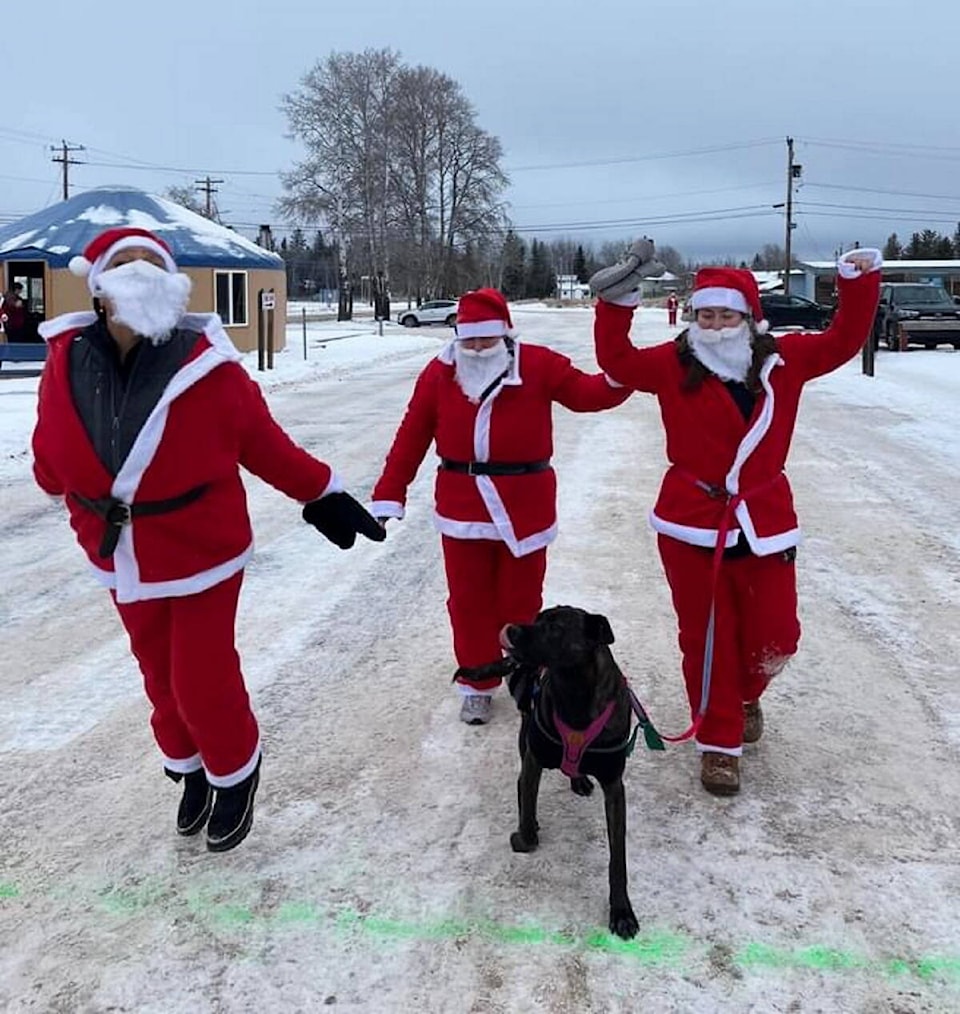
(339, 517)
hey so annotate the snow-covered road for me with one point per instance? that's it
(378, 876)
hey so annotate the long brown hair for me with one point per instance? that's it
(764, 346)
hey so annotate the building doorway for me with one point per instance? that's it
(31, 276)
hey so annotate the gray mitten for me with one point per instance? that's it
(625, 276)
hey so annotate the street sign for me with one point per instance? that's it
(268, 300)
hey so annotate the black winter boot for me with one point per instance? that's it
(232, 815)
(195, 802)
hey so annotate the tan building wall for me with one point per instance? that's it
(66, 293)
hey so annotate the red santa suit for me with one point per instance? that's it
(495, 527)
(175, 576)
(672, 304)
(726, 478)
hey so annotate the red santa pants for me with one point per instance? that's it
(671, 316)
(191, 673)
(756, 630)
(488, 587)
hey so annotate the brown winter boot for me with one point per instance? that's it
(720, 773)
(753, 721)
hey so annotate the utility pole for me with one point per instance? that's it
(793, 173)
(66, 161)
(207, 186)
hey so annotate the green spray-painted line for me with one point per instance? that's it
(219, 906)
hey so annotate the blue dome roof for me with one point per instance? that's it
(63, 230)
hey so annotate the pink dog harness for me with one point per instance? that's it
(577, 741)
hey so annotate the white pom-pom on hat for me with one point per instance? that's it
(79, 266)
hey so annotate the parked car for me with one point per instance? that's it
(435, 311)
(794, 311)
(915, 313)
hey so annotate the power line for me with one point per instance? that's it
(877, 190)
(625, 159)
(181, 169)
(647, 197)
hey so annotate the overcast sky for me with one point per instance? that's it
(654, 117)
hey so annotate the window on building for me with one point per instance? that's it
(231, 293)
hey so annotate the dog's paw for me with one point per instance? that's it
(520, 842)
(581, 785)
(623, 922)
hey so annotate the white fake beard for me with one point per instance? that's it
(727, 352)
(147, 299)
(476, 369)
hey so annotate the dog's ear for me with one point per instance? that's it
(598, 628)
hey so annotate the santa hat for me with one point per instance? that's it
(99, 251)
(731, 288)
(483, 313)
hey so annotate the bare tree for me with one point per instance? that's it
(187, 198)
(396, 166)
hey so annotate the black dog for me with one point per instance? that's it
(566, 683)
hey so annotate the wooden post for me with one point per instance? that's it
(304, 313)
(261, 338)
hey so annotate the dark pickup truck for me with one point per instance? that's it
(914, 313)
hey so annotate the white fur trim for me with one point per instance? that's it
(769, 544)
(182, 765)
(758, 430)
(79, 266)
(762, 326)
(236, 777)
(66, 322)
(486, 530)
(612, 382)
(483, 329)
(705, 537)
(629, 299)
(386, 509)
(144, 590)
(847, 270)
(729, 299)
(335, 485)
(730, 751)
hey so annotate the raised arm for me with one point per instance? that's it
(858, 291)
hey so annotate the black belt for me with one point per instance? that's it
(116, 513)
(495, 467)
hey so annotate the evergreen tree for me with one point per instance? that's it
(580, 265)
(513, 277)
(944, 249)
(892, 250)
(956, 241)
(541, 278)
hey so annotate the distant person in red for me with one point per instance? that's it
(672, 304)
(13, 313)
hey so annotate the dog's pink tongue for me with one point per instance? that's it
(504, 638)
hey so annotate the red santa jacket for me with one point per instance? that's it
(707, 439)
(513, 424)
(210, 419)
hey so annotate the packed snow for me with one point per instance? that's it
(378, 875)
